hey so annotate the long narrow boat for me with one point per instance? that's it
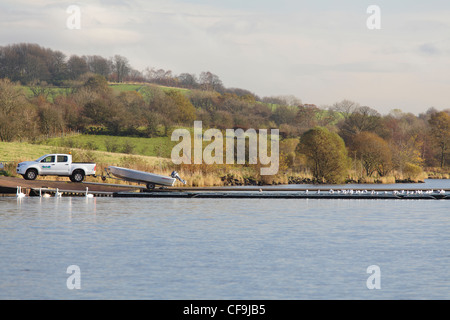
(147, 178)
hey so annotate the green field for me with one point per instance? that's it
(124, 87)
(116, 87)
(154, 147)
(51, 93)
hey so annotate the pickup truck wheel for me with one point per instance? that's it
(77, 176)
(31, 174)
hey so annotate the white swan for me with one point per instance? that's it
(88, 195)
(19, 193)
(45, 195)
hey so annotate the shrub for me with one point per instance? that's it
(412, 171)
(326, 154)
(128, 147)
(111, 145)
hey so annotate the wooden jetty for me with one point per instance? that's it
(11, 185)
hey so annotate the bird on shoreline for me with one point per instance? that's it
(88, 195)
(19, 193)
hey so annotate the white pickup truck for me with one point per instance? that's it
(56, 165)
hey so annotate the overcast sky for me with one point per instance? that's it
(320, 51)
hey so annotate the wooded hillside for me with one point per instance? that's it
(45, 93)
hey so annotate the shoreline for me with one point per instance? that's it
(12, 185)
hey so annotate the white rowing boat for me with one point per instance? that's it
(150, 179)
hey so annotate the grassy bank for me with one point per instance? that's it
(151, 160)
(195, 175)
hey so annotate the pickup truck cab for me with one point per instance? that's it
(56, 165)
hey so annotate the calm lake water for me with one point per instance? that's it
(225, 249)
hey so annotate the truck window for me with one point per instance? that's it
(62, 158)
(48, 159)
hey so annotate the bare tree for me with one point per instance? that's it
(345, 107)
(58, 67)
(361, 119)
(188, 80)
(121, 67)
(211, 82)
(98, 65)
(76, 66)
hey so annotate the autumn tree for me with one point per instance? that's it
(98, 84)
(185, 111)
(345, 107)
(243, 94)
(134, 107)
(205, 100)
(120, 66)
(17, 116)
(284, 114)
(57, 67)
(262, 110)
(161, 109)
(50, 118)
(26, 62)
(98, 65)
(97, 111)
(306, 118)
(99, 106)
(210, 82)
(373, 152)
(76, 66)
(286, 100)
(108, 113)
(440, 131)
(326, 154)
(222, 119)
(161, 76)
(234, 104)
(188, 80)
(407, 136)
(361, 119)
(71, 112)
